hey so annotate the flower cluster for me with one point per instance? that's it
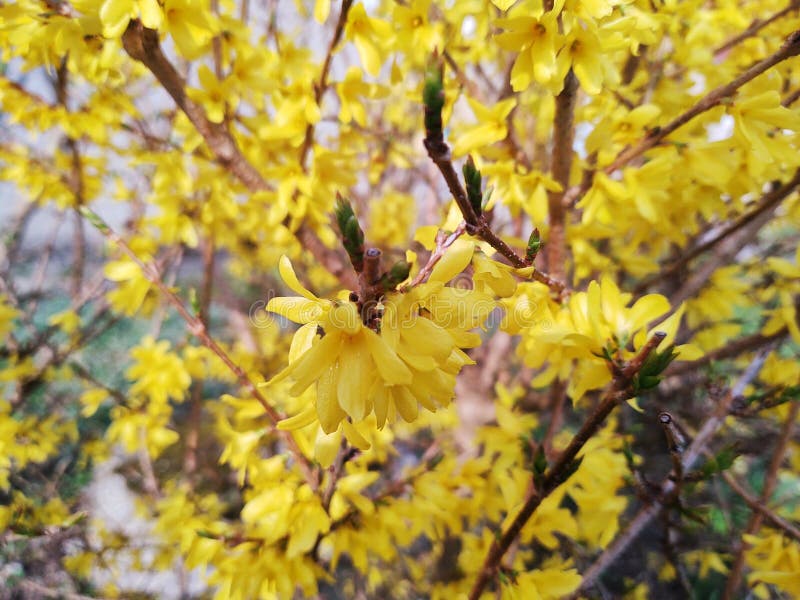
(410, 362)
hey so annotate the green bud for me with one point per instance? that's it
(351, 232)
(396, 275)
(472, 181)
(534, 245)
(433, 98)
(194, 301)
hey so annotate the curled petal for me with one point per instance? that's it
(290, 279)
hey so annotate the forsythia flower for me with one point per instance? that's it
(370, 37)
(582, 329)
(357, 371)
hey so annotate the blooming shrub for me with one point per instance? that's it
(400, 299)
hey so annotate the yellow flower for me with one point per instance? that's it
(371, 37)
(491, 127)
(348, 362)
(7, 315)
(536, 38)
(116, 14)
(358, 372)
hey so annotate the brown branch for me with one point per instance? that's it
(767, 202)
(732, 349)
(791, 98)
(558, 396)
(322, 85)
(756, 519)
(560, 166)
(755, 503)
(620, 391)
(754, 27)
(198, 329)
(142, 44)
(643, 518)
(439, 153)
(790, 48)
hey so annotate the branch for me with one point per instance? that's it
(690, 456)
(790, 48)
(770, 481)
(439, 153)
(198, 329)
(755, 503)
(443, 242)
(563, 133)
(731, 350)
(142, 44)
(768, 201)
(620, 391)
(754, 27)
(196, 410)
(322, 84)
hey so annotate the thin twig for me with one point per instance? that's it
(643, 518)
(767, 201)
(620, 391)
(477, 225)
(142, 44)
(198, 329)
(770, 481)
(322, 85)
(753, 502)
(196, 410)
(790, 48)
(443, 242)
(755, 26)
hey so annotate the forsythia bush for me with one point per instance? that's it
(407, 299)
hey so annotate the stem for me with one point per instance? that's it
(756, 504)
(770, 481)
(322, 85)
(442, 244)
(198, 329)
(555, 475)
(768, 201)
(196, 412)
(563, 133)
(142, 44)
(652, 510)
(754, 27)
(790, 48)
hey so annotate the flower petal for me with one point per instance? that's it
(290, 279)
(299, 310)
(392, 370)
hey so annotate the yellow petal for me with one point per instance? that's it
(352, 436)
(355, 379)
(455, 260)
(326, 447)
(380, 400)
(315, 362)
(647, 309)
(329, 412)
(391, 368)
(150, 13)
(302, 419)
(302, 341)
(299, 310)
(115, 15)
(290, 279)
(405, 403)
